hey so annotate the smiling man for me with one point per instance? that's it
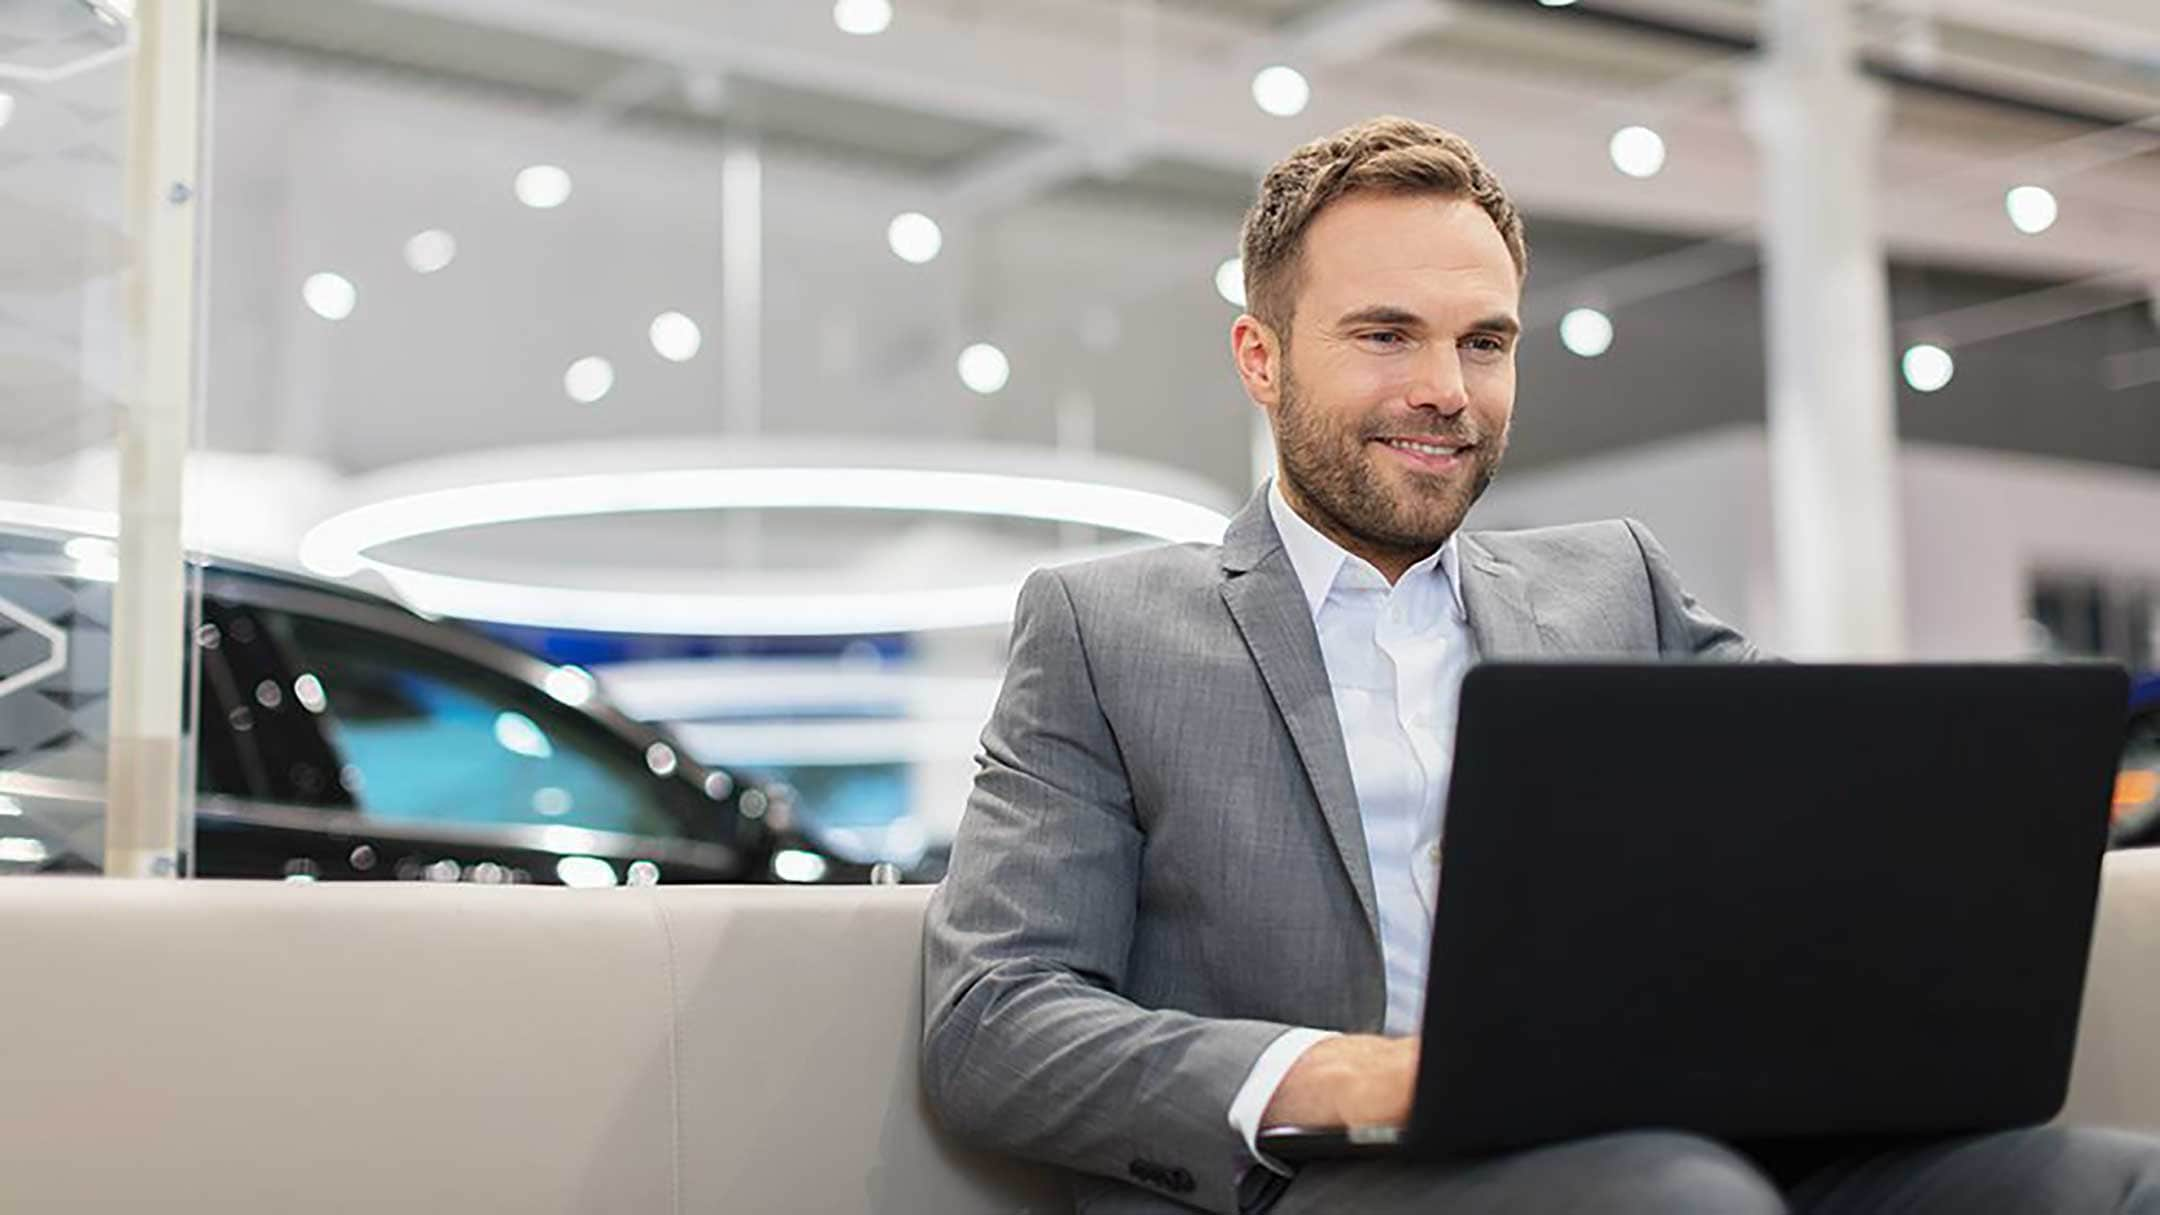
(1192, 893)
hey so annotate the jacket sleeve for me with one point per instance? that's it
(1028, 1046)
(1684, 629)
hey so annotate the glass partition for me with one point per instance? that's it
(99, 214)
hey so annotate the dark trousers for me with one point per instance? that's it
(2040, 1171)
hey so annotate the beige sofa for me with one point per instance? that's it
(241, 1047)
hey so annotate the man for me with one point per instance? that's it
(1192, 893)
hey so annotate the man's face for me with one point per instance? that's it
(1390, 397)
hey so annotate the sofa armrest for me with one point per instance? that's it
(2116, 1080)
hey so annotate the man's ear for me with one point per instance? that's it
(1258, 354)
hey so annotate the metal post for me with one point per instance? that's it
(147, 800)
(1833, 437)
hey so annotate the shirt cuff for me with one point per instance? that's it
(1260, 1084)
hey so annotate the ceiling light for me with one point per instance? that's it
(543, 186)
(984, 368)
(574, 686)
(862, 17)
(1556, 3)
(1230, 281)
(796, 865)
(2032, 209)
(675, 337)
(915, 238)
(1928, 367)
(1117, 495)
(430, 251)
(517, 734)
(1281, 91)
(1587, 332)
(585, 872)
(329, 296)
(589, 379)
(1637, 151)
(7, 108)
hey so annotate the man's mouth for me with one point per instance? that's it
(1426, 455)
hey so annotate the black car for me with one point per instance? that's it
(341, 736)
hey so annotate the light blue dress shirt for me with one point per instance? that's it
(1395, 658)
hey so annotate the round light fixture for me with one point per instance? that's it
(984, 368)
(1281, 91)
(1928, 367)
(1586, 332)
(1637, 151)
(2032, 209)
(914, 237)
(430, 251)
(589, 379)
(1230, 281)
(543, 186)
(862, 17)
(329, 296)
(675, 337)
(586, 480)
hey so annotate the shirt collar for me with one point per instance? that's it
(1319, 561)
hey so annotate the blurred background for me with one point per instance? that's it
(612, 434)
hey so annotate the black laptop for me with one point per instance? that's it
(1760, 902)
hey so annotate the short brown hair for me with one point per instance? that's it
(1386, 154)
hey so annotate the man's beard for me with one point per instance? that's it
(1328, 465)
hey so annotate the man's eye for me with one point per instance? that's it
(1385, 337)
(1488, 344)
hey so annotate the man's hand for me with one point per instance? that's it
(1354, 1080)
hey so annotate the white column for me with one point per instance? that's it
(147, 799)
(742, 318)
(1833, 439)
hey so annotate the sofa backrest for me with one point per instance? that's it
(245, 1047)
(241, 1047)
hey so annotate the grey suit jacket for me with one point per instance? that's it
(1162, 867)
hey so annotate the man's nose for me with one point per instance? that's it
(1439, 384)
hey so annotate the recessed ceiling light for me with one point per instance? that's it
(2032, 209)
(329, 296)
(543, 186)
(984, 368)
(1281, 91)
(589, 379)
(1586, 332)
(862, 17)
(675, 337)
(914, 237)
(430, 251)
(1230, 281)
(1928, 367)
(1637, 151)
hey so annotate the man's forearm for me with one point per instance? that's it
(1351, 1080)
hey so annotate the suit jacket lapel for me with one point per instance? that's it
(1262, 592)
(1497, 598)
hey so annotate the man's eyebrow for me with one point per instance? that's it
(1390, 314)
(1380, 314)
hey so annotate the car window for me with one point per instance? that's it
(258, 740)
(427, 736)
